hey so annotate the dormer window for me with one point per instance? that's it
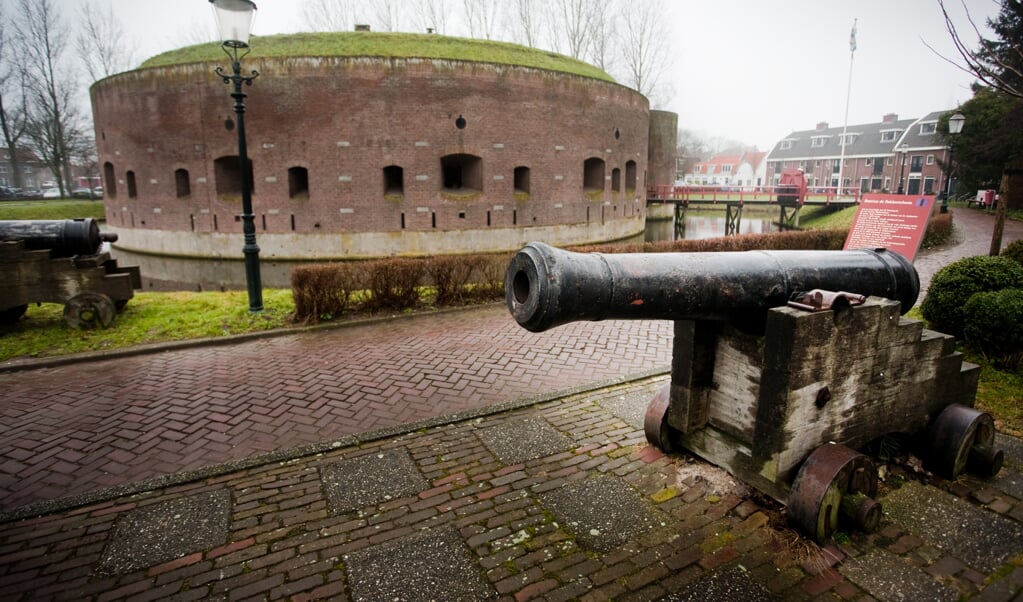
(785, 145)
(889, 135)
(928, 128)
(818, 141)
(848, 139)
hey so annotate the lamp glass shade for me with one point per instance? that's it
(234, 19)
(955, 123)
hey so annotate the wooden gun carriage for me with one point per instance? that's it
(62, 261)
(775, 377)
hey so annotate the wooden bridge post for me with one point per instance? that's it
(733, 218)
(680, 218)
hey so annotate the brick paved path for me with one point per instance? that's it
(559, 501)
(67, 430)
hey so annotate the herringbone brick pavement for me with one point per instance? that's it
(71, 429)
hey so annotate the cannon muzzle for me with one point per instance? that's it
(546, 287)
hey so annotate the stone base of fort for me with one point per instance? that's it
(214, 261)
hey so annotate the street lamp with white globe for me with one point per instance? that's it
(234, 20)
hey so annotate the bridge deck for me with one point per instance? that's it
(765, 195)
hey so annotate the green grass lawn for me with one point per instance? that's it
(148, 318)
(51, 209)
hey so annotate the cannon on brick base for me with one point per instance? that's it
(773, 377)
(62, 261)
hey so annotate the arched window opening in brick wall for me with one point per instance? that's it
(109, 180)
(462, 173)
(298, 183)
(630, 176)
(227, 173)
(593, 175)
(616, 180)
(394, 181)
(182, 183)
(130, 179)
(522, 180)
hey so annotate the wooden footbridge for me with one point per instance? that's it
(786, 198)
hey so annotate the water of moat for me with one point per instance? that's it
(173, 273)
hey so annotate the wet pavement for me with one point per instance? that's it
(447, 456)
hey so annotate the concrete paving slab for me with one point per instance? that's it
(428, 566)
(982, 539)
(167, 530)
(363, 480)
(729, 585)
(629, 407)
(518, 441)
(602, 512)
(892, 579)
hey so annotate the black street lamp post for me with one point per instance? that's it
(955, 126)
(234, 18)
(902, 172)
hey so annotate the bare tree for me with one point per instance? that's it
(102, 43)
(643, 47)
(12, 102)
(601, 51)
(998, 64)
(526, 19)
(328, 15)
(572, 21)
(53, 123)
(386, 15)
(482, 17)
(431, 15)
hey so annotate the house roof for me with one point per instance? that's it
(867, 139)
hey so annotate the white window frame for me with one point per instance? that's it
(928, 128)
(930, 159)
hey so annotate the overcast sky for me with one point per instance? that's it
(749, 70)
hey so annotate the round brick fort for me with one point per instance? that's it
(358, 156)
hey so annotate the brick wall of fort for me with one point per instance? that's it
(358, 157)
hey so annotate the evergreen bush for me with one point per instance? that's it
(993, 324)
(1014, 251)
(953, 285)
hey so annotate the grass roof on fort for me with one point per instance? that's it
(386, 45)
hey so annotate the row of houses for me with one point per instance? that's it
(893, 155)
(33, 173)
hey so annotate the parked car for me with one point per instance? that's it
(8, 193)
(82, 193)
(51, 193)
(31, 193)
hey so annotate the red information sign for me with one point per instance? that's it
(894, 221)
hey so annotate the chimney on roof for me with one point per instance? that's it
(361, 27)
(823, 125)
(890, 118)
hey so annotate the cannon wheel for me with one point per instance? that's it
(962, 438)
(834, 480)
(13, 314)
(89, 310)
(655, 422)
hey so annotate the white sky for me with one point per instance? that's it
(749, 70)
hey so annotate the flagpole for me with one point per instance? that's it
(848, 94)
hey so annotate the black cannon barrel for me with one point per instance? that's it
(547, 287)
(65, 237)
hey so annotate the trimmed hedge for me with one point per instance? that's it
(993, 324)
(1014, 251)
(953, 285)
(329, 291)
